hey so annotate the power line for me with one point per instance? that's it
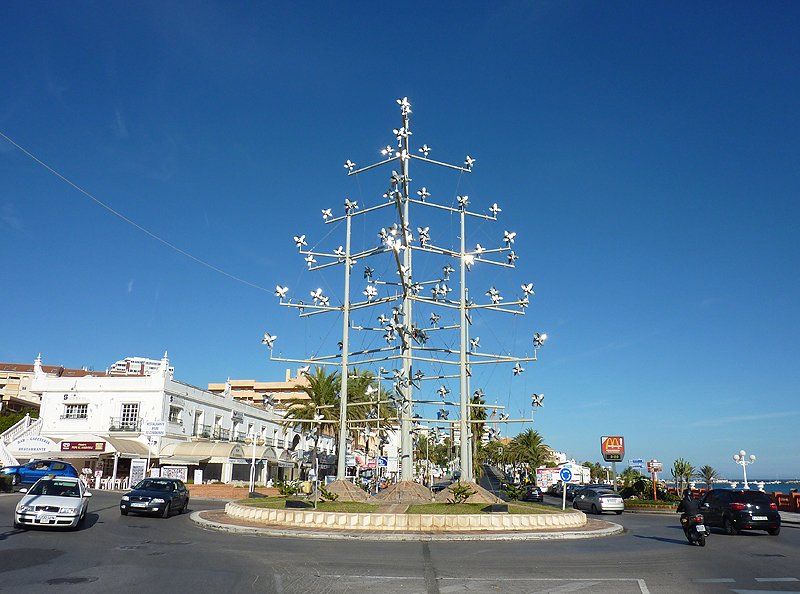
(118, 214)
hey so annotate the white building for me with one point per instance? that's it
(136, 366)
(96, 423)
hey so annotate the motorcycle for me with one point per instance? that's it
(695, 529)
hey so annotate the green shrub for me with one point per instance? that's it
(460, 492)
(287, 488)
(5, 484)
(513, 492)
(327, 495)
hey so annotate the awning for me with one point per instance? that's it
(128, 448)
(206, 450)
(182, 461)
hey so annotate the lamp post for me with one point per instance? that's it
(742, 459)
(252, 437)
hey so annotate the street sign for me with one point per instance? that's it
(565, 475)
(154, 428)
(613, 448)
(655, 466)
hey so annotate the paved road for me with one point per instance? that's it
(114, 553)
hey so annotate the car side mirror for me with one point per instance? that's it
(87, 494)
(23, 490)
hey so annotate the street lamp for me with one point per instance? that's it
(742, 459)
(252, 437)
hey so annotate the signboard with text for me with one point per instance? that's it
(154, 428)
(655, 466)
(138, 466)
(613, 448)
(83, 446)
(637, 463)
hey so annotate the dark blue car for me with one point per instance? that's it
(161, 496)
(27, 474)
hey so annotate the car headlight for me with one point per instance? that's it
(125, 498)
(24, 508)
(157, 500)
(68, 510)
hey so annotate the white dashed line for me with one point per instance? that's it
(784, 579)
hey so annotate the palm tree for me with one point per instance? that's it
(477, 413)
(529, 448)
(708, 474)
(682, 472)
(629, 476)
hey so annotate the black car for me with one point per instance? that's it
(532, 493)
(740, 510)
(161, 496)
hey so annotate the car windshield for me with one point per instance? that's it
(601, 493)
(750, 497)
(56, 488)
(154, 485)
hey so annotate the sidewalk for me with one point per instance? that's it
(219, 520)
(790, 518)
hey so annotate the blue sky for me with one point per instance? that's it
(646, 156)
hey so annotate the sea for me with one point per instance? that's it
(770, 486)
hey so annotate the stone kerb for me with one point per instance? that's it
(405, 522)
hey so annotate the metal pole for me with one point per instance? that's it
(564, 496)
(341, 468)
(614, 475)
(744, 470)
(149, 445)
(463, 425)
(407, 460)
(253, 467)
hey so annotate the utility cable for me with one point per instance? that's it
(144, 230)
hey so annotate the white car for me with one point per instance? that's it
(53, 501)
(598, 501)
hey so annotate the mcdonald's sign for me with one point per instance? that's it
(612, 447)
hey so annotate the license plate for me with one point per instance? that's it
(138, 505)
(45, 519)
(760, 518)
(700, 528)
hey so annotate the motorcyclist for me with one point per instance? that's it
(688, 508)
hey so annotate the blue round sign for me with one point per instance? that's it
(565, 474)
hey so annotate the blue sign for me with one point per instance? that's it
(565, 474)
(637, 463)
(383, 461)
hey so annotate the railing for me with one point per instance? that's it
(221, 434)
(75, 416)
(118, 424)
(17, 429)
(202, 431)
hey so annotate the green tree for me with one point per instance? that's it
(528, 448)
(708, 474)
(629, 476)
(323, 400)
(478, 413)
(682, 471)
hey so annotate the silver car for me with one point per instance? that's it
(53, 501)
(598, 501)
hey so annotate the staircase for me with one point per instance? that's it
(23, 428)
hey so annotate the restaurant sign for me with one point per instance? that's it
(83, 446)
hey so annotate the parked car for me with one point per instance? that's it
(740, 510)
(161, 496)
(598, 501)
(532, 493)
(572, 488)
(437, 487)
(28, 474)
(53, 501)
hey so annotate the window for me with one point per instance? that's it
(75, 411)
(58, 466)
(175, 414)
(130, 414)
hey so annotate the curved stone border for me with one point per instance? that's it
(377, 522)
(609, 530)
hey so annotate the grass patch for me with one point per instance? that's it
(523, 507)
(649, 503)
(353, 507)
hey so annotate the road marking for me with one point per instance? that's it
(714, 581)
(785, 579)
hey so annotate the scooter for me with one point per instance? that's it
(695, 529)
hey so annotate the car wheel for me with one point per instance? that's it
(774, 531)
(165, 513)
(184, 506)
(730, 529)
(123, 512)
(594, 509)
(18, 526)
(619, 513)
(14, 479)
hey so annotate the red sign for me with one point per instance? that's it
(612, 448)
(83, 446)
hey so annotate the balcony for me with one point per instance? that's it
(130, 425)
(202, 431)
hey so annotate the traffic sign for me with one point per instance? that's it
(154, 428)
(637, 463)
(565, 475)
(613, 448)
(655, 466)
